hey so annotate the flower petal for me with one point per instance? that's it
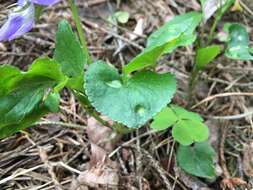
(44, 2)
(13, 23)
(22, 2)
(17, 24)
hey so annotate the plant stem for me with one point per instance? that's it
(79, 28)
(86, 105)
(192, 83)
(220, 13)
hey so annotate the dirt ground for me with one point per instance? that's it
(54, 156)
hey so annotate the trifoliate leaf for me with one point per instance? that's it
(197, 160)
(188, 127)
(164, 119)
(187, 132)
(69, 52)
(206, 55)
(238, 44)
(122, 16)
(131, 101)
(177, 32)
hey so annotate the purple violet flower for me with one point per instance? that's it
(22, 19)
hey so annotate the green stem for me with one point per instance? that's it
(79, 28)
(192, 83)
(212, 31)
(220, 13)
(86, 105)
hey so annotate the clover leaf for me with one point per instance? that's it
(188, 127)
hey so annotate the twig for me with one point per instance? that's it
(231, 117)
(244, 6)
(129, 142)
(69, 125)
(20, 173)
(222, 95)
(156, 165)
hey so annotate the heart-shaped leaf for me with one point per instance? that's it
(238, 44)
(132, 101)
(197, 159)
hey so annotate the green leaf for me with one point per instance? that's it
(24, 93)
(186, 115)
(178, 28)
(187, 132)
(52, 102)
(147, 58)
(177, 32)
(77, 84)
(28, 121)
(197, 160)
(164, 119)
(69, 52)
(238, 44)
(131, 101)
(9, 75)
(46, 67)
(22, 100)
(49, 68)
(206, 55)
(122, 16)
(188, 127)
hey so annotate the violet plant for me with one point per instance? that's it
(131, 98)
